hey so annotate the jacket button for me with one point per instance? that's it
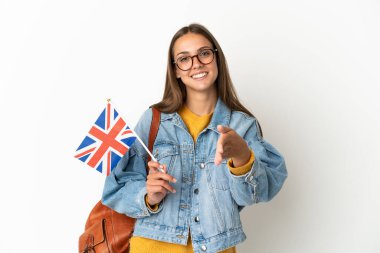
(196, 191)
(196, 219)
(202, 165)
(203, 248)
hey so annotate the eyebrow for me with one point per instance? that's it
(187, 52)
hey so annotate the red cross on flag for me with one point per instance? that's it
(106, 142)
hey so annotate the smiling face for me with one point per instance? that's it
(200, 77)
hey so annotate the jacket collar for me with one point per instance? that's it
(221, 116)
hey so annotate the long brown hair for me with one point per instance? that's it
(175, 91)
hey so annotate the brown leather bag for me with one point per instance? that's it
(106, 230)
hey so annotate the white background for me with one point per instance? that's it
(309, 70)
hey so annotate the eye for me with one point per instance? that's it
(205, 53)
(183, 59)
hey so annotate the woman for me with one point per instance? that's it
(212, 159)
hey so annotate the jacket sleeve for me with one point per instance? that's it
(125, 188)
(267, 175)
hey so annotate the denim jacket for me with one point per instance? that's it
(208, 198)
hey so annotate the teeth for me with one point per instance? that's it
(200, 75)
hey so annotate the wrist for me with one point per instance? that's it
(151, 207)
(149, 201)
(242, 159)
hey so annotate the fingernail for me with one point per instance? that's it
(174, 191)
(174, 180)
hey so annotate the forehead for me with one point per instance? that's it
(190, 42)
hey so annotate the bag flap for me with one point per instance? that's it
(93, 236)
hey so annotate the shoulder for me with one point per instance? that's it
(244, 124)
(238, 117)
(142, 127)
(144, 121)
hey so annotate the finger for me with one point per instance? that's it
(219, 151)
(219, 156)
(220, 145)
(163, 184)
(161, 176)
(218, 159)
(155, 167)
(222, 152)
(223, 129)
(153, 189)
(162, 168)
(153, 164)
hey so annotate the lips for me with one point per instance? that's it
(199, 75)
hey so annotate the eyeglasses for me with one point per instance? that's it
(204, 56)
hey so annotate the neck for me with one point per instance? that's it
(201, 103)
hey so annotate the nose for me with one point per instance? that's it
(196, 63)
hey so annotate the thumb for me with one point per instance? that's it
(223, 129)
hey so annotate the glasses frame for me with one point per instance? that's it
(197, 55)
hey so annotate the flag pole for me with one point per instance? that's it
(147, 150)
(142, 143)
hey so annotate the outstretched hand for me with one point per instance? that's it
(231, 145)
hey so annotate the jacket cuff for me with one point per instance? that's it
(239, 171)
(145, 211)
(153, 208)
(250, 178)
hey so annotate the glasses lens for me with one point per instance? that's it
(206, 56)
(184, 62)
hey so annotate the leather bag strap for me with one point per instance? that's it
(156, 118)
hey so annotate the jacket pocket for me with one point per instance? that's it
(166, 153)
(217, 175)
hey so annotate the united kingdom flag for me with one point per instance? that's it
(106, 142)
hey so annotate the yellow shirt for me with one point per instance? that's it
(195, 125)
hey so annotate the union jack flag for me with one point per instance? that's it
(106, 142)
